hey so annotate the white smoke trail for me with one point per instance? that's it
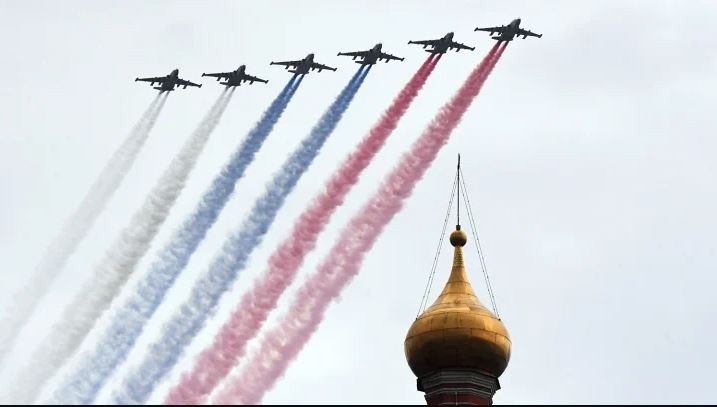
(117, 265)
(76, 227)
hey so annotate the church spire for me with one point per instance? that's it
(458, 348)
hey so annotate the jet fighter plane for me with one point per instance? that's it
(169, 82)
(303, 66)
(371, 56)
(441, 45)
(235, 78)
(510, 31)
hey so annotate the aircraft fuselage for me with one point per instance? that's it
(236, 77)
(512, 30)
(240, 71)
(372, 57)
(442, 45)
(305, 65)
(170, 83)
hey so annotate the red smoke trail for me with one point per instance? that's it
(215, 362)
(281, 345)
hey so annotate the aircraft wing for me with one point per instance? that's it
(182, 82)
(527, 33)
(159, 79)
(386, 56)
(425, 42)
(355, 54)
(253, 79)
(458, 45)
(316, 65)
(492, 29)
(287, 63)
(218, 75)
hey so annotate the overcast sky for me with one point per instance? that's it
(589, 158)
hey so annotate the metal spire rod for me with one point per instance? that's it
(432, 274)
(458, 202)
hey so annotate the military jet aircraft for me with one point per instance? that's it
(303, 66)
(169, 82)
(371, 56)
(441, 45)
(235, 78)
(510, 31)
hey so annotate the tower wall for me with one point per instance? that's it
(451, 387)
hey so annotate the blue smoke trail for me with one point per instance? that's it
(128, 323)
(186, 323)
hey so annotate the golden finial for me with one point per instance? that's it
(458, 237)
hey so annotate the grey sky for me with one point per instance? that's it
(588, 156)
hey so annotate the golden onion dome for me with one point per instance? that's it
(457, 331)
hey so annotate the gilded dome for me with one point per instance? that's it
(457, 331)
